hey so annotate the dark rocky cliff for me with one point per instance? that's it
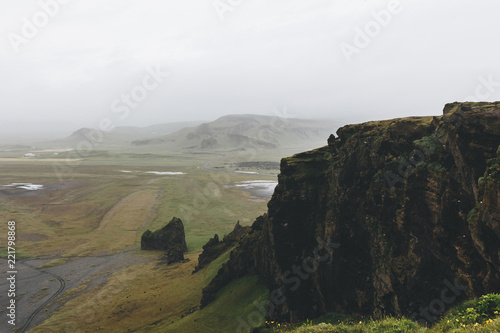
(386, 219)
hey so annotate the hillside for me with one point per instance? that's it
(246, 131)
(119, 137)
(397, 217)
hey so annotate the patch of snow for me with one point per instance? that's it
(127, 171)
(247, 172)
(264, 188)
(25, 186)
(165, 173)
(31, 187)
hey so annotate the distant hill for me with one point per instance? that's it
(246, 131)
(119, 137)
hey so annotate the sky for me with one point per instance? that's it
(67, 64)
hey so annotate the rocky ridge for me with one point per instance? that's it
(396, 217)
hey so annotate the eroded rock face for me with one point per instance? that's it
(214, 247)
(170, 238)
(175, 254)
(412, 205)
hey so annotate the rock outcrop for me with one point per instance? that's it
(170, 238)
(396, 217)
(214, 247)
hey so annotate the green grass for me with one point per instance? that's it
(479, 315)
(65, 221)
(68, 220)
(19, 253)
(472, 313)
(232, 310)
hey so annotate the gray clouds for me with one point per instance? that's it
(262, 56)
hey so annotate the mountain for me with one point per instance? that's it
(119, 137)
(246, 131)
(396, 217)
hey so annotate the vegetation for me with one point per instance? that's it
(96, 209)
(233, 309)
(472, 216)
(428, 144)
(480, 315)
(55, 262)
(136, 296)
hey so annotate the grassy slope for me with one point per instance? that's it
(390, 325)
(479, 315)
(232, 308)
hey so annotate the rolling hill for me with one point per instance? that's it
(246, 131)
(119, 137)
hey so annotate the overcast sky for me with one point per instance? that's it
(77, 62)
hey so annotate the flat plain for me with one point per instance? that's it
(78, 235)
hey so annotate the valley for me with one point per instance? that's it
(80, 216)
(79, 232)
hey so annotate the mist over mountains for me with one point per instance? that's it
(226, 133)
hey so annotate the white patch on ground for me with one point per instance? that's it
(25, 186)
(127, 171)
(165, 173)
(52, 150)
(261, 188)
(248, 172)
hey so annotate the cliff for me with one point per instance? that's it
(396, 217)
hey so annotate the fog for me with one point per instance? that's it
(87, 63)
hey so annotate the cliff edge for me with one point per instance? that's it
(395, 217)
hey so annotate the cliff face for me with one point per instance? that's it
(382, 220)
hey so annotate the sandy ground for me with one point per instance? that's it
(40, 292)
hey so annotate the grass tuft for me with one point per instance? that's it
(480, 315)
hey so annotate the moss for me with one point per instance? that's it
(472, 216)
(480, 181)
(491, 175)
(436, 167)
(429, 144)
(328, 156)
